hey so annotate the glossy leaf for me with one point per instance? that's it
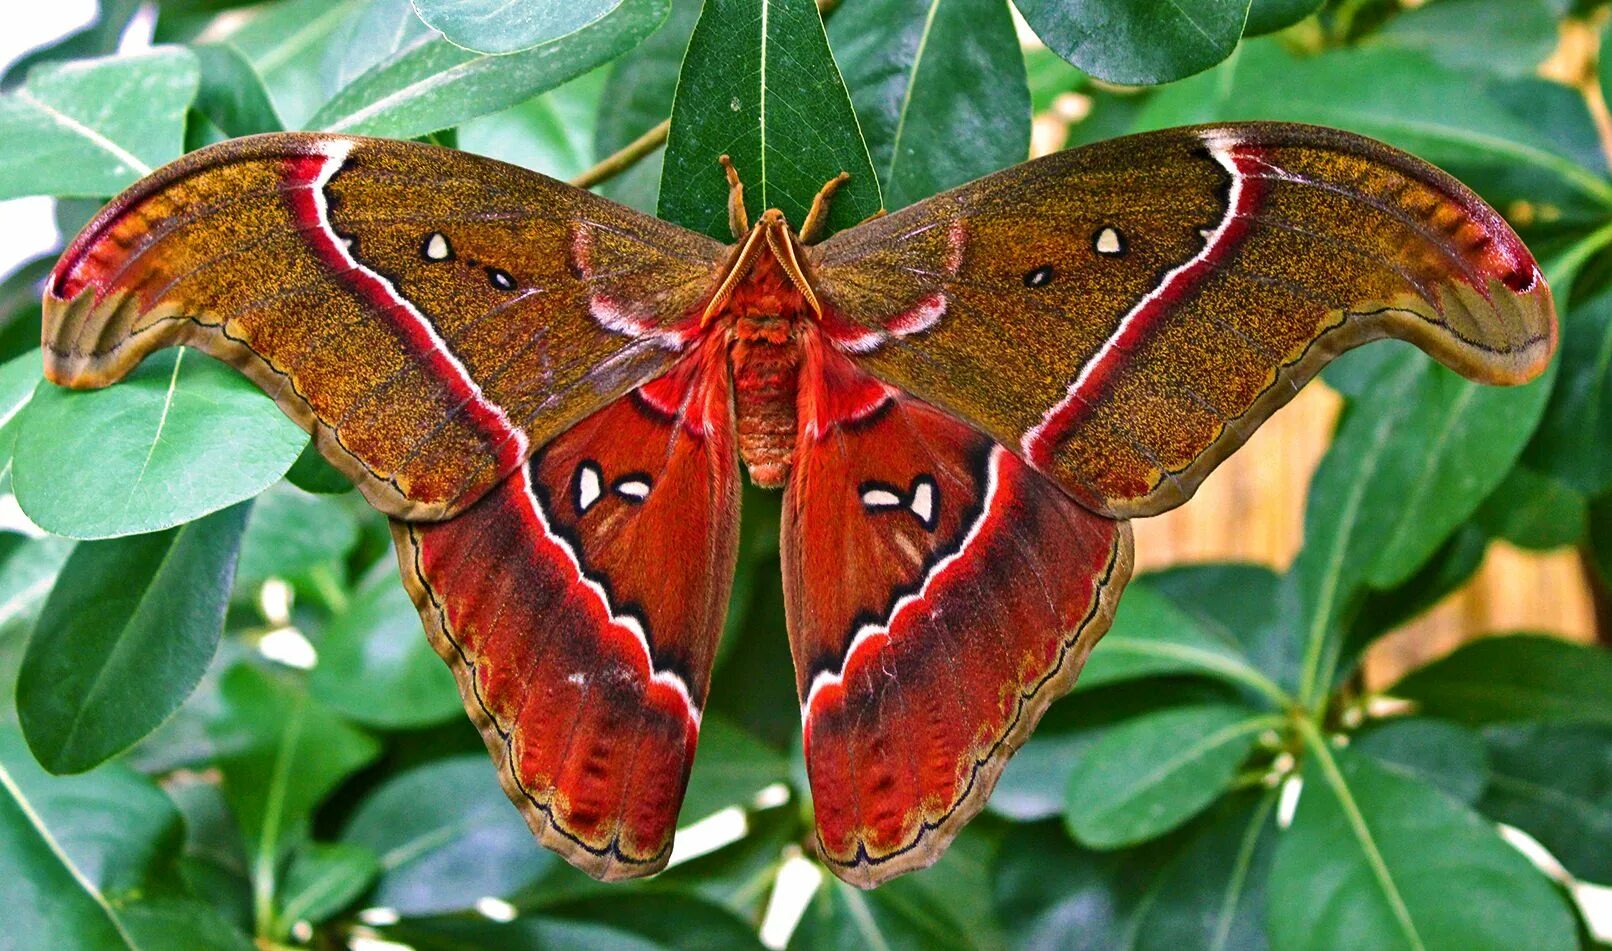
(324, 878)
(1138, 42)
(432, 84)
(730, 767)
(551, 133)
(1441, 754)
(1554, 782)
(759, 85)
(90, 862)
(925, 75)
(1410, 463)
(1520, 677)
(643, 921)
(497, 26)
(1268, 16)
(183, 436)
(445, 835)
(128, 629)
(1052, 895)
(288, 43)
(1260, 619)
(291, 532)
(232, 95)
(1534, 510)
(1374, 859)
(27, 575)
(292, 752)
(637, 97)
(376, 666)
(91, 127)
(1150, 774)
(19, 377)
(1574, 442)
(311, 473)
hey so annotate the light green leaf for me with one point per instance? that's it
(1505, 37)
(499, 26)
(551, 133)
(91, 127)
(759, 85)
(292, 532)
(183, 436)
(232, 95)
(430, 84)
(126, 634)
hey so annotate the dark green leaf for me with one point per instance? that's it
(125, 635)
(759, 85)
(292, 753)
(27, 575)
(1574, 442)
(926, 76)
(446, 835)
(232, 96)
(288, 43)
(1555, 783)
(91, 127)
(637, 97)
(1138, 42)
(1052, 895)
(1150, 774)
(1444, 755)
(430, 84)
(292, 532)
(1600, 547)
(1268, 16)
(183, 436)
(498, 26)
(1375, 859)
(642, 920)
(1520, 677)
(1210, 894)
(1510, 37)
(1449, 568)
(1410, 463)
(90, 862)
(1249, 605)
(376, 665)
(324, 878)
(1533, 510)
(311, 473)
(551, 133)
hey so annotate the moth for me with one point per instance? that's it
(964, 403)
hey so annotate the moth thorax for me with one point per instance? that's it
(765, 359)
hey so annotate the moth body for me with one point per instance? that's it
(762, 320)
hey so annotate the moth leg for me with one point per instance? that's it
(819, 212)
(737, 219)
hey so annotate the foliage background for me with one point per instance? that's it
(229, 728)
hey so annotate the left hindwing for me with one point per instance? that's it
(940, 593)
(1122, 316)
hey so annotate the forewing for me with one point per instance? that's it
(1124, 315)
(430, 316)
(579, 604)
(940, 594)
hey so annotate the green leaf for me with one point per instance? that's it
(1259, 617)
(551, 133)
(1507, 37)
(1050, 893)
(446, 835)
(91, 127)
(127, 632)
(376, 665)
(1574, 442)
(1375, 859)
(1600, 546)
(730, 767)
(1138, 42)
(324, 878)
(1152, 637)
(637, 97)
(1449, 569)
(311, 473)
(232, 95)
(1519, 677)
(1534, 510)
(292, 532)
(926, 76)
(100, 38)
(290, 43)
(27, 575)
(19, 377)
(498, 26)
(641, 920)
(1400, 97)
(90, 862)
(1268, 16)
(1444, 755)
(431, 84)
(183, 436)
(1150, 774)
(1410, 463)
(759, 85)
(288, 754)
(1554, 782)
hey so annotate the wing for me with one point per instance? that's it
(940, 594)
(1124, 315)
(430, 316)
(579, 604)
